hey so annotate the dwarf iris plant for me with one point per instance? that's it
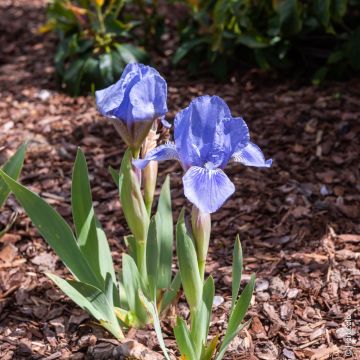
(206, 139)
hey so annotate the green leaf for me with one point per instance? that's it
(106, 68)
(109, 289)
(188, 265)
(12, 168)
(183, 340)
(131, 53)
(91, 238)
(132, 284)
(130, 242)
(170, 294)
(105, 255)
(151, 308)
(208, 300)
(115, 176)
(164, 226)
(9, 225)
(289, 14)
(184, 49)
(352, 49)
(321, 10)
(55, 231)
(320, 75)
(237, 316)
(73, 76)
(253, 41)
(338, 9)
(152, 259)
(209, 351)
(201, 318)
(92, 300)
(236, 271)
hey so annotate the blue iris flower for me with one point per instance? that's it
(134, 102)
(207, 137)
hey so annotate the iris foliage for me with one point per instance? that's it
(207, 138)
(12, 168)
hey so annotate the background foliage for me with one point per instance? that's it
(282, 34)
(94, 42)
(98, 37)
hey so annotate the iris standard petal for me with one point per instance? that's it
(196, 128)
(108, 100)
(251, 155)
(207, 189)
(148, 98)
(114, 101)
(160, 153)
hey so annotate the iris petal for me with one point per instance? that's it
(207, 189)
(148, 98)
(114, 101)
(108, 100)
(160, 153)
(251, 155)
(197, 127)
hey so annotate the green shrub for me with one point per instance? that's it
(93, 43)
(279, 34)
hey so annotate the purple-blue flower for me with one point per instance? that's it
(134, 102)
(207, 137)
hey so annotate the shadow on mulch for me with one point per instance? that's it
(297, 221)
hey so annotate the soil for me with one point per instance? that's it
(298, 221)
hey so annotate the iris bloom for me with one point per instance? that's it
(134, 102)
(207, 137)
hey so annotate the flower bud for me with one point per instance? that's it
(134, 207)
(149, 174)
(201, 229)
(134, 102)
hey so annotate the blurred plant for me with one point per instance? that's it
(12, 168)
(271, 34)
(93, 44)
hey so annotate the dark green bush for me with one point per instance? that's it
(93, 43)
(283, 34)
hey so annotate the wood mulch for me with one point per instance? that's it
(298, 221)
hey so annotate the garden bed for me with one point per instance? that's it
(298, 221)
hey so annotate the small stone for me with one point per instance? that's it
(325, 191)
(43, 95)
(261, 285)
(262, 296)
(286, 310)
(277, 286)
(218, 300)
(292, 293)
